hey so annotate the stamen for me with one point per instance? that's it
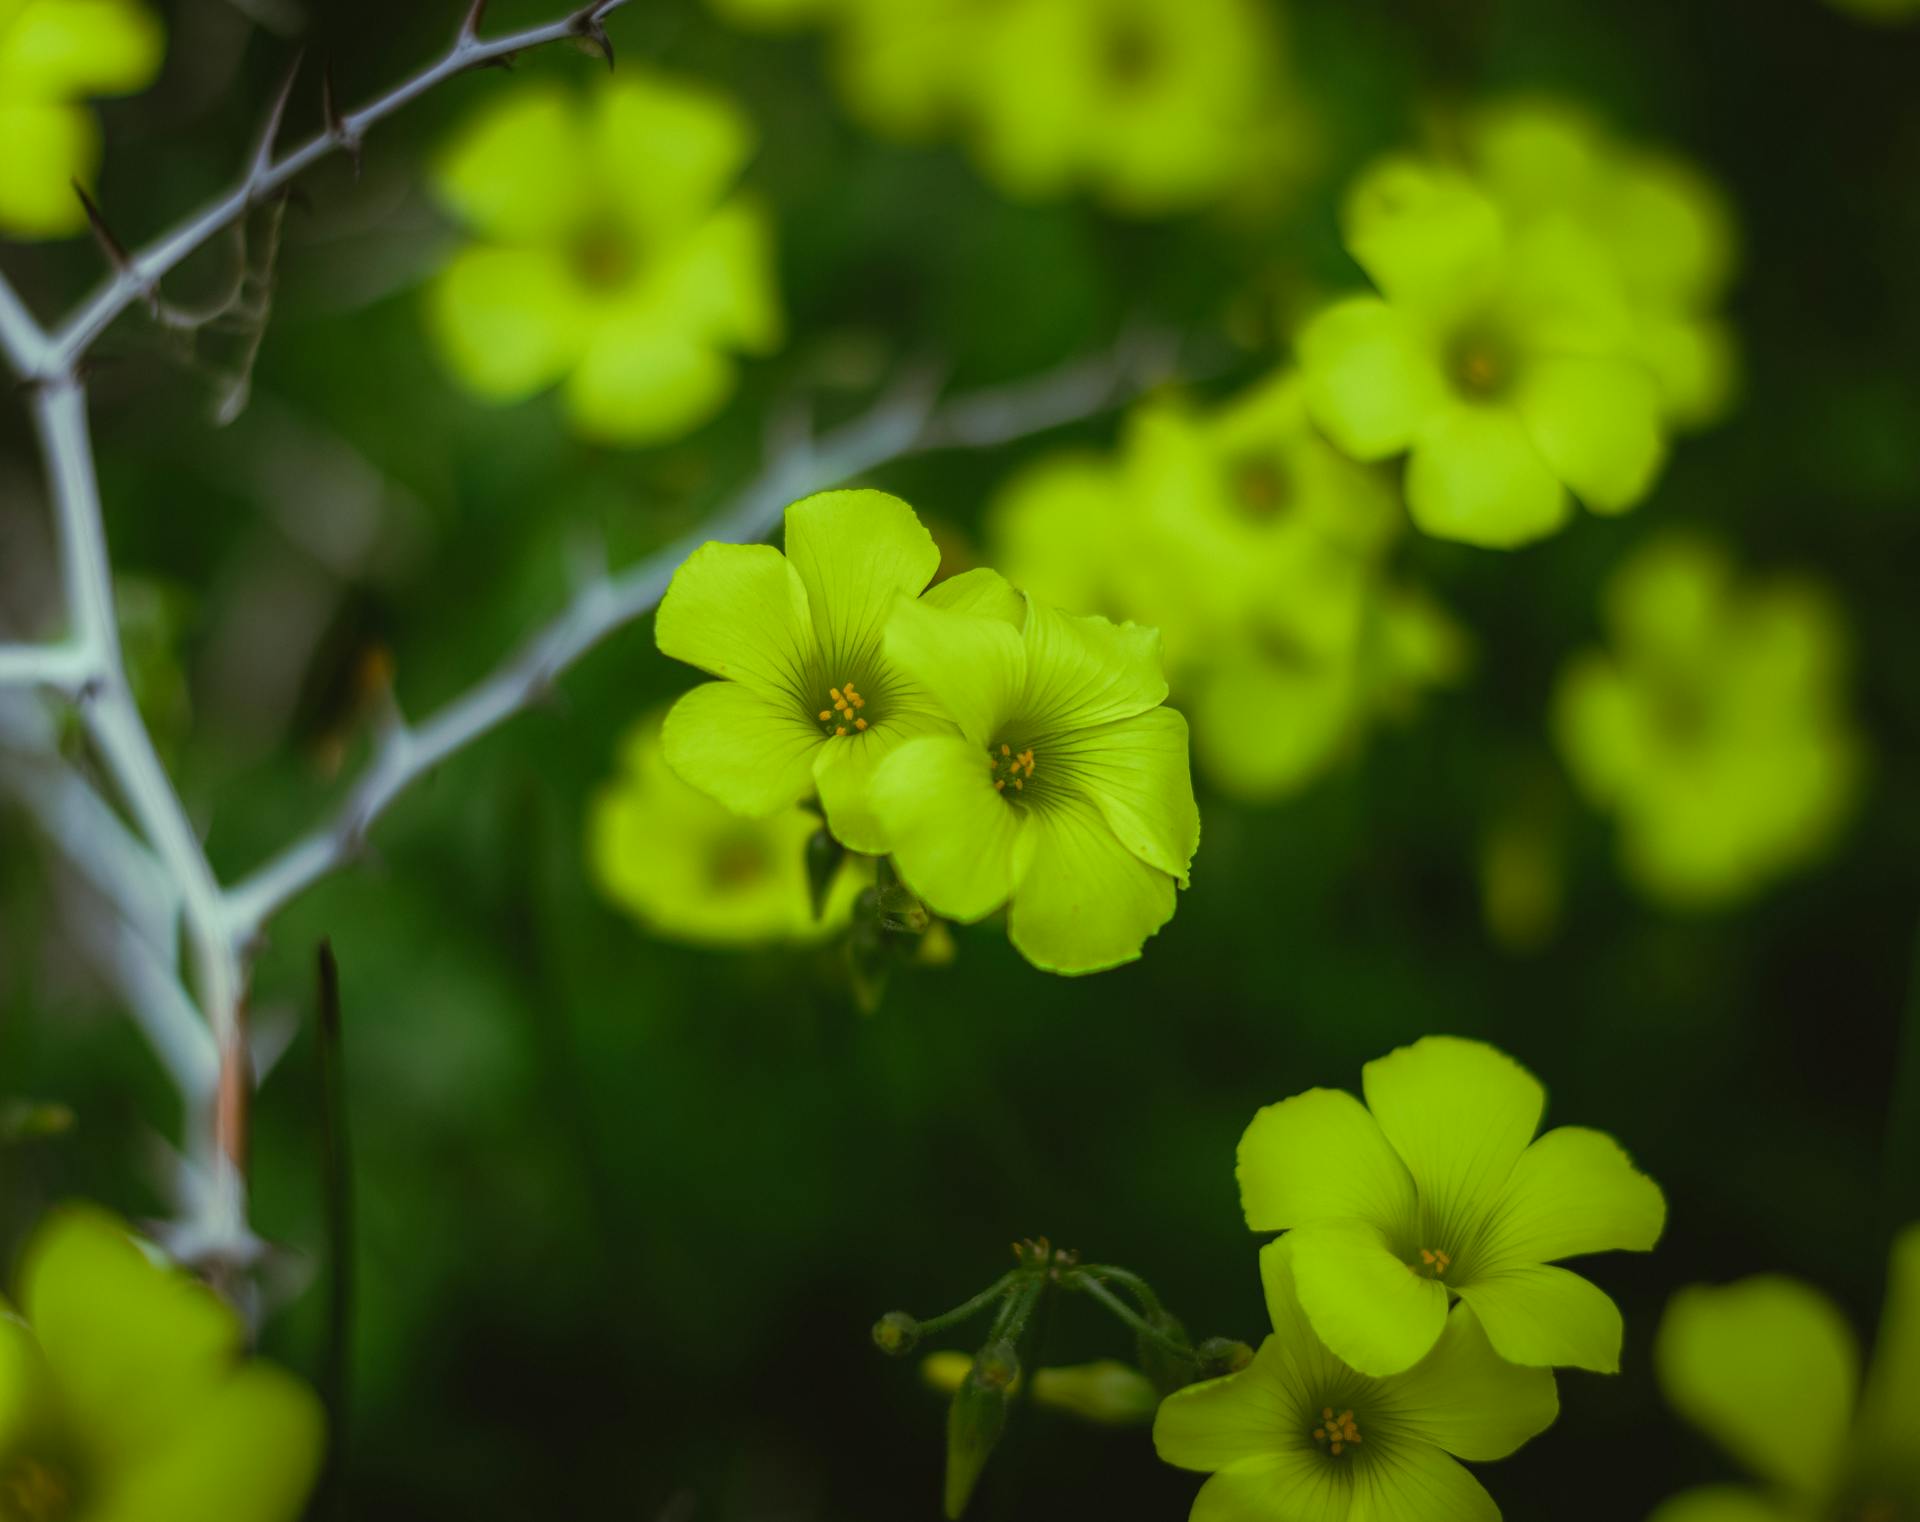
(840, 730)
(1339, 1433)
(825, 714)
(1437, 1262)
(859, 723)
(847, 703)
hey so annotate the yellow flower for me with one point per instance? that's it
(1715, 727)
(54, 55)
(690, 869)
(615, 255)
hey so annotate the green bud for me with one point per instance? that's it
(824, 855)
(1222, 1355)
(896, 1334)
(1168, 1370)
(1109, 1392)
(976, 1419)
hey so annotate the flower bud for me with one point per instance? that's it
(896, 1334)
(1222, 1355)
(824, 855)
(1168, 1370)
(976, 1419)
(1109, 1392)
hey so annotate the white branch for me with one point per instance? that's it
(903, 424)
(63, 667)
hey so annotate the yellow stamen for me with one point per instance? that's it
(1436, 1261)
(859, 723)
(825, 714)
(1339, 1432)
(839, 729)
(1006, 750)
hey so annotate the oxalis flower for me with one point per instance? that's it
(124, 1396)
(809, 701)
(1769, 1368)
(1437, 1190)
(1065, 795)
(1298, 1436)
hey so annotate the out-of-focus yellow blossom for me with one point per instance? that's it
(1879, 12)
(1667, 228)
(1106, 1391)
(54, 56)
(1260, 553)
(1715, 728)
(691, 870)
(1154, 106)
(615, 255)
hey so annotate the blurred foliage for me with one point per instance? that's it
(628, 1206)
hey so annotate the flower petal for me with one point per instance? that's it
(971, 665)
(717, 283)
(855, 552)
(50, 145)
(1460, 1114)
(1366, 1305)
(1547, 1318)
(1596, 422)
(738, 611)
(508, 322)
(1136, 773)
(1085, 902)
(1372, 377)
(248, 1453)
(981, 591)
(643, 380)
(1890, 1410)
(1467, 1399)
(1412, 1482)
(517, 172)
(133, 1348)
(1084, 670)
(1723, 1503)
(1428, 237)
(1320, 1155)
(1290, 1486)
(75, 48)
(1475, 476)
(1767, 1367)
(1574, 1191)
(955, 840)
(1218, 1422)
(23, 1380)
(844, 768)
(752, 753)
(668, 150)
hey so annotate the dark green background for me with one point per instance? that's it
(627, 1209)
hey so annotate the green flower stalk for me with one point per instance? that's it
(54, 55)
(1065, 796)
(1770, 1370)
(614, 255)
(1298, 1436)
(125, 1396)
(1499, 357)
(809, 700)
(1437, 1190)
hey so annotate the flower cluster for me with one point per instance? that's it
(1543, 322)
(1714, 729)
(1770, 1370)
(124, 1394)
(1156, 106)
(1005, 754)
(1262, 554)
(1417, 1314)
(614, 255)
(54, 55)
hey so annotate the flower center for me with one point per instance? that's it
(1482, 365)
(1132, 55)
(1434, 1263)
(1010, 768)
(604, 258)
(737, 864)
(844, 717)
(31, 1491)
(1260, 488)
(1336, 1433)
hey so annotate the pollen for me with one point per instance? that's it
(1339, 1433)
(1007, 765)
(1435, 1262)
(847, 703)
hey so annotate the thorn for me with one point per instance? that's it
(592, 33)
(348, 140)
(103, 235)
(470, 28)
(263, 155)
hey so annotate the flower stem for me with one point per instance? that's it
(974, 1306)
(1084, 1279)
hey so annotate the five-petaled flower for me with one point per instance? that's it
(809, 699)
(1298, 1436)
(1066, 793)
(125, 1397)
(54, 54)
(1499, 356)
(615, 255)
(1769, 1368)
(1442, 1192)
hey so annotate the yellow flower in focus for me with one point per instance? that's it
(54, 56)
(614, 255)
(1715, 728)
(689, 869)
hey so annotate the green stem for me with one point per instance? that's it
(972, 1307)
(1012, 1321)
(1127, 1279)
(337, 1152)
(1082, 1279)
(1901, 1184)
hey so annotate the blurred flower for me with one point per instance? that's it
(1879, 12)
(1769, 1368)
(54, 54)
(1440, 1173)
(1666, 227)
(125, 1397)
(1104, 1391)
(1297, 1434)
(1500, 356)
(1260, 553)
(690, 870)
(1714, 729)
(809, 699)
(614, 256)
(1065, 795)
